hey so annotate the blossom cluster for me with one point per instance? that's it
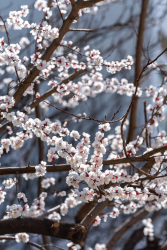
(37, 208)
(54, 216)
(2, 195)
(16, 18)
(9, 183)
(6, 102)
(149, 228)
(90, 173)
(93, 57)
(89, 86)
(41, 169)
(43, 30)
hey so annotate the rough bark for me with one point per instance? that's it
(63, 230)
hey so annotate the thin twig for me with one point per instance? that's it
(7, 33)
(141, 171)
(50, 211)
(28, 243)
(134, 96)
(60, 11)
(84, 30)
(84, 118)
(145, 117)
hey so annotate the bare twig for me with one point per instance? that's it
(28, 243)
(145, 117)
(84, 118)
(84, 30)
(141, 171)
(134, 96)
(50, 211)
(7, 33)
(60, 11)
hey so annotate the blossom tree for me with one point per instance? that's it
(124, 176)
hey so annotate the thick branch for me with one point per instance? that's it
(63, 230)
(139, 45)
(88, 220)
(67, 167)
(31, 169)
(137, 235)
(41, 149)
(90, 217)
(118, 232)
(34, 103)
(134, 239)
(84, 210)
(48, 53)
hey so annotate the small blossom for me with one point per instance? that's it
(97, 221)
(22, 237)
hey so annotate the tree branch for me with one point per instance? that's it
(28, 243)
(55, 43)
(54, 209)
(67, 167)
(137, 235)
(145, 117)
(62, 230)
(90, 217)
(54, 89)
(31, 169)
(84, 210)
(139, 45)
(118, 232)
(95, 211)
(41, 149)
